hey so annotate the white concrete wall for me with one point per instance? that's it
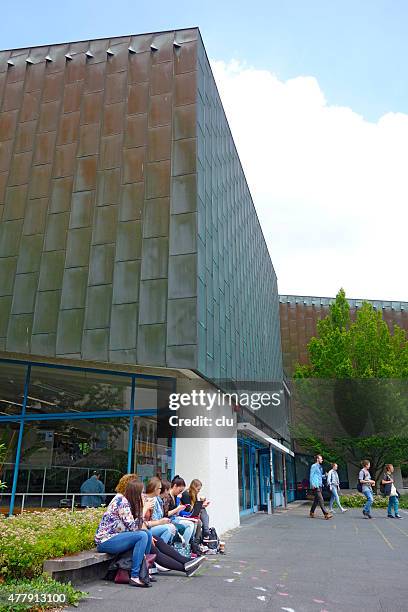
(214, 462)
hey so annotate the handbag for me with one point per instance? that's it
(122, 576)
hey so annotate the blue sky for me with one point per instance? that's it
(356, 49)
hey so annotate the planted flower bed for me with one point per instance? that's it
(29, 539)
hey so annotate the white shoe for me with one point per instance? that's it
(332, 511)
(344, 510)
(161, 568)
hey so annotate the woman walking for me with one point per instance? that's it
(390, 491)
(333, 483)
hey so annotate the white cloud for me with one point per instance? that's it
(330, 188)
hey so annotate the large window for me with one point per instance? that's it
(76, 422)
(52, 390)
(12, 380)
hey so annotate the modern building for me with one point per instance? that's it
(132, 264)
(299, 316)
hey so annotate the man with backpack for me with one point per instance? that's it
(365, 486)
(316, 484)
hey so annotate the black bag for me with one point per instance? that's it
(213, 542)
(195, 546)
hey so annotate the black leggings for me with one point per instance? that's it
(167, 556)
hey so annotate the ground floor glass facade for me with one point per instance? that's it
(60, 423)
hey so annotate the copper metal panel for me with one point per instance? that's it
(185, 120)
(160, 110)
(159, 143)
(91, 108)
(15, 202)
(17, 72)
(44, 148)
(57, 52)
(8, 122)
(12, 95)
(53, 87)
(64, 163)
(30, 107)
(161, 78)
(86, 174)
(133, 164)
(6, 149)
(72, 97)
(40, 181)
(141, 42)
(35, 214)
(184, 156)
(95, 78)
(110, 152)
(20, 168)
(113, 119)
(115, 87)
(82, 209)
(119, 61)
(138, 96)
(185, 88)
(139, 67)
(35, 75)
(136, 131)
(164, 43)
(76, 69)
(48, 117)
(108, 187)
(25, 136)
(185, 59)
(68, 128)
(88, 140)
(131, 204)
(61, 190)
(3, 182)
(158, 179)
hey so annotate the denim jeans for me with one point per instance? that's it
(140, 541)
(165, 532)
(188, 526)
(369, 495)
(335, 498)
(393, 503)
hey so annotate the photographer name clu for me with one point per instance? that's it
(200, 421)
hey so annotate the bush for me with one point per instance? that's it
(358, 500)
(40, 594)
(28, 539)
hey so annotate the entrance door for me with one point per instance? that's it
(264, 478)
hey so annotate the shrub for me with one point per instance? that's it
(41, 594)
(28, 539)
(358, 500)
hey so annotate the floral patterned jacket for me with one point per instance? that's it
(117, 518)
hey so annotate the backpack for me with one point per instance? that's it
(385, 489)
(359, 485)
(213, 542)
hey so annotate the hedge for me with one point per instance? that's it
(358, 500)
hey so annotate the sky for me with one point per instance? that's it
(316, 94)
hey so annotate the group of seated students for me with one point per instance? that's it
(146, 522)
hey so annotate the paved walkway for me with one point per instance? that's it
(285, 562)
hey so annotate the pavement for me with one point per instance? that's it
(284, 562)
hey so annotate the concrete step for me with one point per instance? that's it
(78, 568)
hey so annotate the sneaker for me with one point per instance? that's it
(389, 516)
(192, 566)
(161, 568)
(369, 515)
(203, 549)
(328, 516)
(398, 516)
(343, 510)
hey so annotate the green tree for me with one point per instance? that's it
(351, 400)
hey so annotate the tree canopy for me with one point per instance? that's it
(352, 398)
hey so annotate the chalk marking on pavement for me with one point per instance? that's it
(261, 597)
(239, 573)
(288, 609)
(229, 580)
(283, 594)
(386, 540)
(260, 589)
(399, 529)
(334, 526)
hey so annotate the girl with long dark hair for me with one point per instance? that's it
(122, 528)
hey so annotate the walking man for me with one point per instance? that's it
(389, 490)
(366, 487)
(316, 484)
(334, 486)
